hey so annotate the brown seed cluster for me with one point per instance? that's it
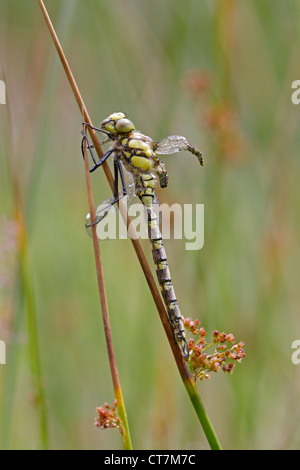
(108, 417)
(224, 357)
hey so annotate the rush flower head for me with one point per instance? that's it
(108, 417)
(226, 353)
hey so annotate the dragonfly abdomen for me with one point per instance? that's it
(168, 293)
(147, 195)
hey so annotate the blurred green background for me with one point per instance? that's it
(218, 72)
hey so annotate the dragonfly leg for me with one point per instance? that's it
(124, 189)
(106, 210)
(92, 146)
(117, 169)
(102, 159)
(89, 146)
(116, 183)
(95, 128)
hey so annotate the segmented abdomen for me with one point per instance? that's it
(147, 194)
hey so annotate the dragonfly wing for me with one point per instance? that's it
(176, 143)
(109, 223)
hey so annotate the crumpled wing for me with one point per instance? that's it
(176, 143)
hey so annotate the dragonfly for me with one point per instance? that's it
(137, 153)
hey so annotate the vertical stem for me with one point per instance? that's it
(206, 424)
(29, 297)
(225, 34)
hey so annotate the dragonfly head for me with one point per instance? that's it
(116, 124)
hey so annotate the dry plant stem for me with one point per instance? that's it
(104, 308)
(184, 372)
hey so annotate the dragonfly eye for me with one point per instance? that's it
(124, 125)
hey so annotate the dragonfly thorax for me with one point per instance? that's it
(136, 153)
(134, 149)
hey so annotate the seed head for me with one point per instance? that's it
(200, 363)
(108, 417)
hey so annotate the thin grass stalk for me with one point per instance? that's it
(183, 370)
(104, 307)
(225, 16)
(202, 415)
(27, 295)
